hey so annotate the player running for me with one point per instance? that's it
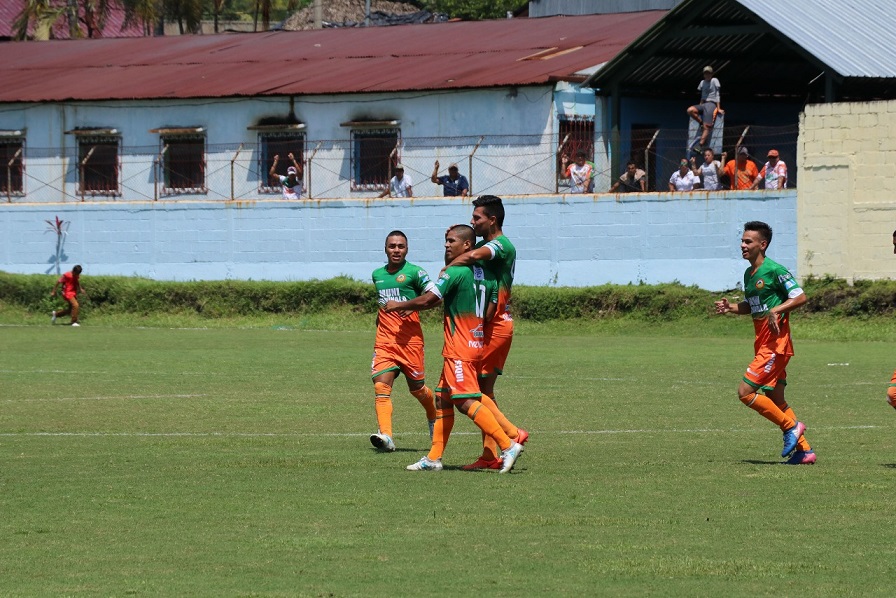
(71, 286)
(469, 296)
(398, 347)
(497, 255)
(771, 293)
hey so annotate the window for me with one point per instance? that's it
(273, 144)
(371, 151)
(12, 152)
(181, 160)
(98, 165)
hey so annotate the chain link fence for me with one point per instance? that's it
(101, 169)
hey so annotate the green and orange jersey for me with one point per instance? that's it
(768, 286)
(501, 267)
(408, 282)
(466, 292)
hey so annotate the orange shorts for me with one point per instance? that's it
(408, 359)
(495, 355)
(767, 370)
(459, 378)
(893, 379)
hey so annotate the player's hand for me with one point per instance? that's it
(774, 322)
(390, 306)
(723, 307)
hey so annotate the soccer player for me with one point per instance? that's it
(469, 296)
(770, 293)
(71, 286)
(497, 255)
(891, 391)
(398, 347)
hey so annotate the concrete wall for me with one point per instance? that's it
(846, 205)
(563, 240)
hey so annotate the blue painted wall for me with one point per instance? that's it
(562, 240)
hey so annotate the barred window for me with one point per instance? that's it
(277, 144)
(183, 164)
(371, 151)
(98, 165)
(12, 152)
(576, 135)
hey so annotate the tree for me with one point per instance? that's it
(474, 10)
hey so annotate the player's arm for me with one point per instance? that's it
(55, 286)
(724, 307)
(471, 257)
(775, 313)
(427, 300)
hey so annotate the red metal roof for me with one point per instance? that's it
(329, 61)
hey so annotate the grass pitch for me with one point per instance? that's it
(235, 462)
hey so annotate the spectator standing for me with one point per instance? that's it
(291, 184)
(683, 179)
(579, 173)
(632, 180)
(741, 171)
(454, 184)
(400, 185)
(774, 173)
(709, 171)
(709, 107)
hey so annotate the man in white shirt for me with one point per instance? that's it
(400, 185)
(291, 184)
(774, 173)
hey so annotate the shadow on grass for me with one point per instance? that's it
(758, 462)
(889, 465)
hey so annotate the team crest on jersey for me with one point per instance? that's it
(400, 278)
(760, 283)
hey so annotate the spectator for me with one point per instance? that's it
(774, 173)
(632, 180)
(741, 171)
(292, 182)
(709, 171)
(453, 184)
(400, 185)
(71, 286)
(709, 107)
(579, 173)
(683, 179)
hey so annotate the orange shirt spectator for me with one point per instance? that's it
(741, 172)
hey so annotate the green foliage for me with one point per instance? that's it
(108, 295)
(473, 9)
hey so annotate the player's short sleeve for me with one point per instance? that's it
(788, 283)
(422, 282)
(497, 249)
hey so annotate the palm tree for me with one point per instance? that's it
(43, 14)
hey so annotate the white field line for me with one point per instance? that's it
(113, 398)
(365, 434)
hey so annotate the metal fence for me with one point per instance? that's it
(500, 165)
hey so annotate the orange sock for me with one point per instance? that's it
(802, 444)
(485, 421)
(426, 397)
(767, 409)
(505, 423)
(383, 406)
(440, 432)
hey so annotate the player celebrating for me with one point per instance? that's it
(496, 254)
(71, 286)
(399, 339)
(469, 296)
(771, 293)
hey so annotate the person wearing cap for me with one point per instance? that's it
(774, 173)
(683, 179)
(454, 184)
(709, 107)
(291, 184)
(400, 185)
(741, 171)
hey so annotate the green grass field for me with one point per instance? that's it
(235, 462)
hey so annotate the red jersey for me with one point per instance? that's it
(70, 284)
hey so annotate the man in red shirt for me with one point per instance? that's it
(71, 286)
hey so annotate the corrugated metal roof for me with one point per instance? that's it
(412, 57)
(856, 38)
